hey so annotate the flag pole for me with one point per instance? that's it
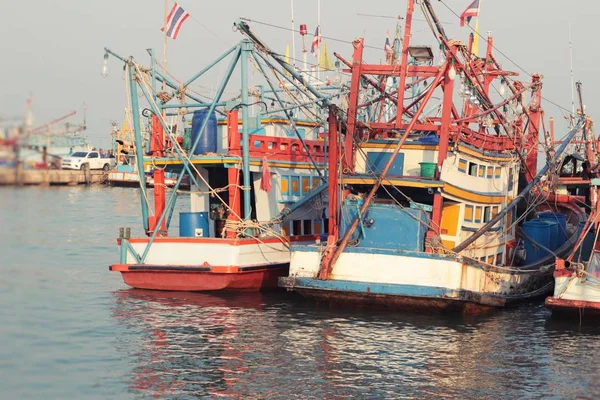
(319, 43)
(293, 37)
(476, 38)
(165, 44)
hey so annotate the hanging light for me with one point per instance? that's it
(519, 109)
(452, 71)
(502, 89)
(476, 102)
(472, 98)
(105, 66)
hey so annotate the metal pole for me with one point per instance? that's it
(139, 153)
(246, 51)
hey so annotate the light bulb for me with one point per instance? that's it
(502, 90)
(472, 98)
(519, 109)
(452, 72)
(105, 66)
(476, 102)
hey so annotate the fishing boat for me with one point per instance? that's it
(434, 203)
(577, 275)
(255, 171)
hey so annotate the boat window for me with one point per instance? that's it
(510, 178)
(495, 211)
(285, 190)
(295, 186)
(472, 169)
(497, 172)
(286, 229)
(305, 184)
(462, 165)
(490, 259)
(317, 227)
(297, 224)
(499, 258)
(468, 213)
(481, 171)
(490, 172)
(478, 214)
(486, 214)
(307, 227)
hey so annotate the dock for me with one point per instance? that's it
(20, 176)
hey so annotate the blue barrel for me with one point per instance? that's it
(208, 139)
(193, 224)
(561, 219)
(538, 230)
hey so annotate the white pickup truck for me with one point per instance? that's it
(92, 159)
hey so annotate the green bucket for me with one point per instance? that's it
(428, 169)
(187, 138)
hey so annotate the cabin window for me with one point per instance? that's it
(499, 258)
(486, 214)
(482, 259)
(297, 224)
(495, 211)
(286, 229)
(478, 214)
(497, 172)
(490, 259)
(326, 225)
(472, 169)
(317, 227)
(469, 213)
(305, 184)
(295, 186)
(307, 227)
(481, 173)
(490, 172)
(285, 188)
(510, 179)
(462, 165)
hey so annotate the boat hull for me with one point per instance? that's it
(204, 263)
(413, 281)
(196, 279)
(575, 295)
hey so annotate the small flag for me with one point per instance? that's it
(265, 179)
(316, 42)
(325, 62)
(470, 12)
(175, 19)
(388, 48)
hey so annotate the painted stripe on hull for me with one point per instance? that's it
(472, 196)
(574, 308)
(195, 281)
(391, 295)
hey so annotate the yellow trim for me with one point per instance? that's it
(274, 121)
(469, 196)
(215, 162)
(476, 154)
(449, 244)
(395, 182)
(391, 146)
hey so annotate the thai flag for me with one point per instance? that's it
(470, 12)
(316, 42)
(175, 19)
(388, 47)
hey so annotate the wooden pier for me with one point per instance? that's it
(21, 176)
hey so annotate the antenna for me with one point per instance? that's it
(572, 78)
(293, 36)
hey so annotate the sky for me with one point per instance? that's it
(53, 49)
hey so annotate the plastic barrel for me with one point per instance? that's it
(208, 139)
(428, 169)
(561, 219)
(538, 230)
(553, 235)
(193, 224)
